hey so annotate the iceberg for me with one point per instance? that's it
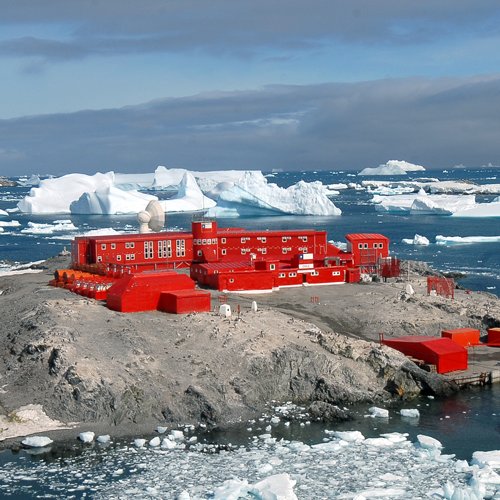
(189, 197)
(422, 203)
(111, 200)
(393, 167)
(480, 210)
(465, 240)
(166, 178)
(33, 180)
(417, 240)
(253, 195)
(55, 195)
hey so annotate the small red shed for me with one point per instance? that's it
(445, 354)
(184, 301)
(367, 248)
(465, 337)
(141, 292)
(493, 337)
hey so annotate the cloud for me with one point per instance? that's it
(235, 28)
(437, 123)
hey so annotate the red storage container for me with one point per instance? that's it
(465, 337)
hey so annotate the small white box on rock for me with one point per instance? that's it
(225, 310)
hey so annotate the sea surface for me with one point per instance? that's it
(466, 423)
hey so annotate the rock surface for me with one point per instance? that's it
(83, 362)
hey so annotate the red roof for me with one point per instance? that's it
(440, 345)
(365, 236)
(140, 236)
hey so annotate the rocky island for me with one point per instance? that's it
(71, 361)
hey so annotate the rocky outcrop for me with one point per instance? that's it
(83, 362)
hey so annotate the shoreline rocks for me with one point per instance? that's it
(85, 363)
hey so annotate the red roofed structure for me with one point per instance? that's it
(445, 354)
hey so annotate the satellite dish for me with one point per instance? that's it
(152, 219)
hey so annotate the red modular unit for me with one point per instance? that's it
(367, 248)
(353, 275)
(141, 292)
(236, 244)
(494, 337)
(185, 301)
(465, 337)
(442, 352)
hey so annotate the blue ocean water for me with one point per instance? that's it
(479, 261)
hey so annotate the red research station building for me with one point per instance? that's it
(228, 259)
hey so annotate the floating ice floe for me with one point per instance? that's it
(9, 223)
(480, 210)
(103, 439)
(36, 441)
(422, 203)
(376, 412)
(392, 167)
(410, 413)
(56, 227)
(86, 437)
(417, 240)
(3, 213)
(155, 442)
(489, 458)
(428, 442)
(465, 240)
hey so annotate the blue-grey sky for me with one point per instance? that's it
(124, 85)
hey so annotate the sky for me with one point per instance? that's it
(99, 85)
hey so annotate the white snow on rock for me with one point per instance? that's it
(417, 240)
(139, 442)
(392, 167)
(410, 413)
(56, 194)
(254, 195)
(86, 437)
(111, 200)
(103, 439)
(36, 441)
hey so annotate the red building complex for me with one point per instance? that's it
(225, 259)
